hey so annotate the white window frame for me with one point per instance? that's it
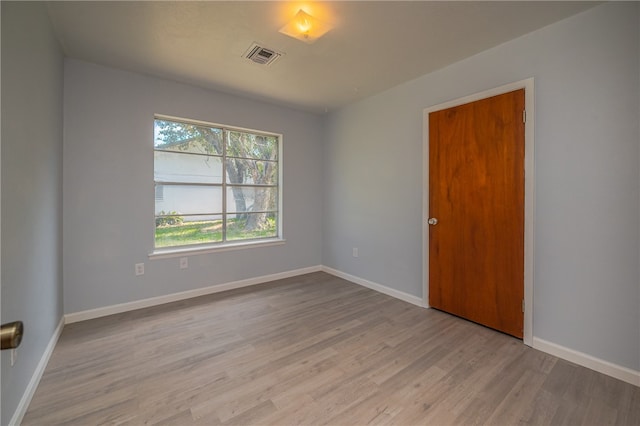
(210, 247)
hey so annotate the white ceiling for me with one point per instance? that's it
(373, 46)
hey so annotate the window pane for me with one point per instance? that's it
(248, 199)
(249, 145)
(188, 168)
(189, 199)
(183, 137)
(191, 230)
(195, 190)
(258, 172)
(251, 225)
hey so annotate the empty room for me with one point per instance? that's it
(341, 212)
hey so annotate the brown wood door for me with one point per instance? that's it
(476, 193)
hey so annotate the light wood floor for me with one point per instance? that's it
(313, 349)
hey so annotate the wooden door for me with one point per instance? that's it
(476, 194)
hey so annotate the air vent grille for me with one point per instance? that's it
(261, 55)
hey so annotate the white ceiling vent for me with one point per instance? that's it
(261, 55)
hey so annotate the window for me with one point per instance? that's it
(213, 184)
(159, 193)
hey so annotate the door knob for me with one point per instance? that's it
(432, 221)
(11, 334)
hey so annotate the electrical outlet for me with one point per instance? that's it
(184, 262)
(355, 252)
(139, 269)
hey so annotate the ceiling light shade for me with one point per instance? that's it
(305, 27)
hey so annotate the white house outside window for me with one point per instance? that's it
(218, 185)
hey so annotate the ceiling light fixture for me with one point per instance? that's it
(305, 27)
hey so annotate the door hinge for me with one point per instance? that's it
(524, 115)
(522, 305)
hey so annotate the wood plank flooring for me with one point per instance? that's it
(313, 349)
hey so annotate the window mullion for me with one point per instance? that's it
(225, 136)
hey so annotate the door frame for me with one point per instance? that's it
(529, 193)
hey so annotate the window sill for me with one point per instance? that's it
(189, 251)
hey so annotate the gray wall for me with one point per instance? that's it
(109, 192)
(586, 277)
(32, 68)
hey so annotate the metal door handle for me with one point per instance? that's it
(432, 221)
(11, 335)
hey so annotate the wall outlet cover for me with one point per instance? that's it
(139, 269)
(184, 262)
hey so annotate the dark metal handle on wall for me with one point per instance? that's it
(11, 334)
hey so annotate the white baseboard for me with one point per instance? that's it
(625, 374)
(174, 297)
(21, 409)
(622, 373)
(605, 367)
(414, 300)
